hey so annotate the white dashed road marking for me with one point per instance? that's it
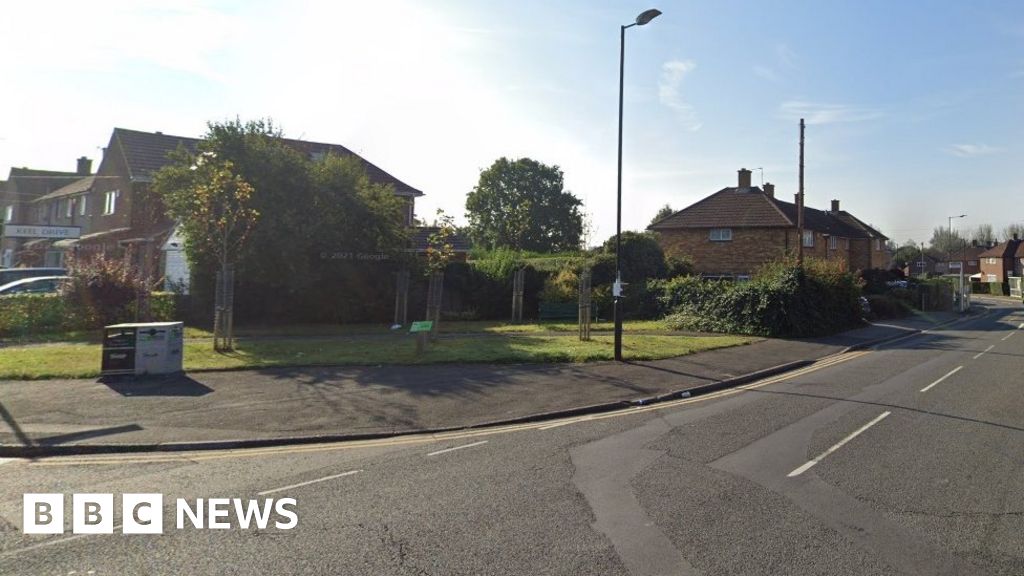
(980, 354)
(307, 483)
(457, 448)
(837, 446)
(950, 373)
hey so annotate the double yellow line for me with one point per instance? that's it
(186, 457)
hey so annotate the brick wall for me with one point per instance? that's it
(748, 249)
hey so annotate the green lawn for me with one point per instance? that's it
(330, 330)
(81, 360)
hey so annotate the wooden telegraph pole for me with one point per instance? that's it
(800, 203)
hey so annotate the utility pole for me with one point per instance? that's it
(800, 203)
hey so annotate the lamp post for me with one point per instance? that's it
(949, 251)
(644, 17)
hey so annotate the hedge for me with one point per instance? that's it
(782, 300)
(28, 314)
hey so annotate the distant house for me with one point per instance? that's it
(968, 258)
(18, 195)
(1003, 260)
(734, 231)
(118, 216)
(925, 264)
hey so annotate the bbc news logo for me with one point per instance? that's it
(144, 513)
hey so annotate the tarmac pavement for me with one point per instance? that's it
(302, 404)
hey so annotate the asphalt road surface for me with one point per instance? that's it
(908, 459)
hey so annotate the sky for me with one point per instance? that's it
(913, 109)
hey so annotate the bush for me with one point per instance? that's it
(100, 289)
(30, 314)
(885, 306)
(781, 300)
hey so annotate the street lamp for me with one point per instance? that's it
(644, 17)
(949, 251)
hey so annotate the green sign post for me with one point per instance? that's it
(421, 330)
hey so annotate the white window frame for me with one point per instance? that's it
(69, 207)
(878, 244)
(808, 239)
(82, 201)
(992, 261)
(833, 243)
(720, 235)
(110, 203)
(8, 212)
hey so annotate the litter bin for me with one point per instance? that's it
(147, 348)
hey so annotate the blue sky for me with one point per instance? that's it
(913, 108)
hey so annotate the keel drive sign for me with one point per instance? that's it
(20, 231)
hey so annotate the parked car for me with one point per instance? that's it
(8, 275)
(41, 285)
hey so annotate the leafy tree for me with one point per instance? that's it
(440, 250)
(663, 212)
(521, 204)
(325, 233)
(641, 257)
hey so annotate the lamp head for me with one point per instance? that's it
(647, 15)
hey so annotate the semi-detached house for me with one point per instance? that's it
(119, 216)
(733, 232)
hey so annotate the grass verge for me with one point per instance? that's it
(80, 360)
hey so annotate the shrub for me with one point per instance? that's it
(885, 306)
(100, 289)
(781, 300)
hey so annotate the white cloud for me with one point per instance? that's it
(972, 150)
(818, 113)
(672, 74)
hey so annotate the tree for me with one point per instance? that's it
(983, 234)
(521, 204)
(945, 240)
(326, 236)
(213, 206)
(641, 256)
(1012, 229)
(663, 212)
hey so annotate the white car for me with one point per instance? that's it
(39, 285)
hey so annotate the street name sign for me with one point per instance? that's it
(25, 231)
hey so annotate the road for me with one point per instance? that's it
(907, 459)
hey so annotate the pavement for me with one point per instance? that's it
(296, 405)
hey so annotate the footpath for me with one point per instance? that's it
(296, 405)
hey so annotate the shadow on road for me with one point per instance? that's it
(174, 385)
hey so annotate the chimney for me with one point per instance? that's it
(744, 178)
(84, 166)
(796, 198)
(769, 189)
(835, 205)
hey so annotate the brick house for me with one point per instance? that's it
(1003, 260)
(922, 264)
(738, 229)
(119, 216)
(17, 197)
(968, 257)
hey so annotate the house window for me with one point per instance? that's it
(69, 207)
(8, 213)
(833, 243)
(954, 265)
(808, 238)
(721, 234)
(972, 262)
(991, 278)
(878, 244)
(110, 202)
(81, 205)
(742, 278)
(7, 258)
(990, 260)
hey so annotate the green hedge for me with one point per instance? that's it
(782, 300)
(29, 314)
